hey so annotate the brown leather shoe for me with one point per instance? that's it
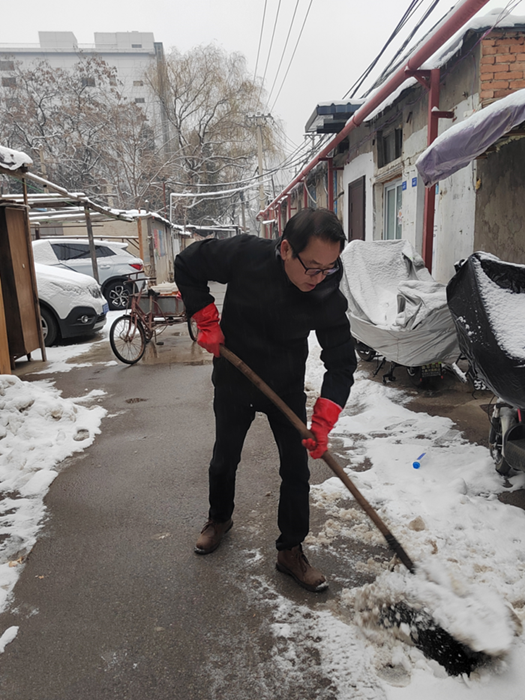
(211, 536)
(294, 563)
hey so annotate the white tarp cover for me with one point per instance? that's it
(394, 304)
(12, 160)
(463, 142)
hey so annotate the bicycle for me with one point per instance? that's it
(130, 333)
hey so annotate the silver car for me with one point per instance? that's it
(115, 265)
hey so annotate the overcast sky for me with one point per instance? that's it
(339, 40)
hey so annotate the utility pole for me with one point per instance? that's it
(260, 120)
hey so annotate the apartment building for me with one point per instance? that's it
(132, 54)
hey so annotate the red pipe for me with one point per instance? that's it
(330, 184)
(430, 192)
(464, 12)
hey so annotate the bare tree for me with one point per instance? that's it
(81, 131)
(207, 95)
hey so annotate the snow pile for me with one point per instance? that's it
(12, 160)
(504, 307)
(38, 429)
(467, 546)
(459, 524)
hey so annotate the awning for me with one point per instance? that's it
(463, 142)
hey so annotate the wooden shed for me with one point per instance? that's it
(20, 326)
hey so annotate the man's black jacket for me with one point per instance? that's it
(266, 319)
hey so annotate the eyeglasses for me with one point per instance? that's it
(314, 271)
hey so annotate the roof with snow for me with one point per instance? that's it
(482, 24)
(463, 142)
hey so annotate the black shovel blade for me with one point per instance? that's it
(434, 641)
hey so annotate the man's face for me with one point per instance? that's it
(318, 254)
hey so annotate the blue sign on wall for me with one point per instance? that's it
(404, 185)
(414, 182)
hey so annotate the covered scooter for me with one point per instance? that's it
(396, 309)
(487, 300)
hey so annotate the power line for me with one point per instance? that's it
(284, 51)
(293, 54)
(404, 19)
(260, 41)
(271, 42)
(392, 65)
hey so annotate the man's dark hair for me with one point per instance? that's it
(313, 223)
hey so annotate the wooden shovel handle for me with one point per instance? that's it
(328, 458)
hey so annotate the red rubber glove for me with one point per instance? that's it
(210, 336)
(324, 418)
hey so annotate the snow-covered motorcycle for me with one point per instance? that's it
(486, 298)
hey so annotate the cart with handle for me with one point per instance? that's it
(148, 313)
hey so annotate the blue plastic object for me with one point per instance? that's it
(417, 463)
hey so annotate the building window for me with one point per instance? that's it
(393, 211)
(88, 82)
(7, 65)
(138, 83)
(389, 146)
(139, 100)
(136, 46)
(9, 82)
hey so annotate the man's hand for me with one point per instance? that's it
(324, 418)
(210, 336)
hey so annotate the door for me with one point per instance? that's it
(20, 297)
(356, 210)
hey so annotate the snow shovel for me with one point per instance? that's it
(434, 641)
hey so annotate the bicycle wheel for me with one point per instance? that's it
(127, 339)
(192, 328)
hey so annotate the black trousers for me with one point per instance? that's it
(234, 413)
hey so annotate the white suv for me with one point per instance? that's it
(115, 265)
(71, 304)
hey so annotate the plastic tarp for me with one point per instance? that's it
(487, 301)
(463, 142)
(394, 304)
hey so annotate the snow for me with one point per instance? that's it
(468, 547)
(503, 307)
(461, 143)
(447, 51)
(12, 160)
(38, 430)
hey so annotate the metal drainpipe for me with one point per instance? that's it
(464, 12)
(430, 192)
(331, 184)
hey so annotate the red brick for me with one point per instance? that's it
(501, 48)
(520, 57)
(513, 75)
(505, 58)
(496, 84)
(486, 94)
(501, 93)
(511, 42)
(486, 76)
(517, 84)
(501, 72)
(519, 65)
(488, 50)
(488, 60)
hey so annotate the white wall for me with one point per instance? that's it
(454, 222)
(362, 166)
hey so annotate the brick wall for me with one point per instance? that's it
(502, 69)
